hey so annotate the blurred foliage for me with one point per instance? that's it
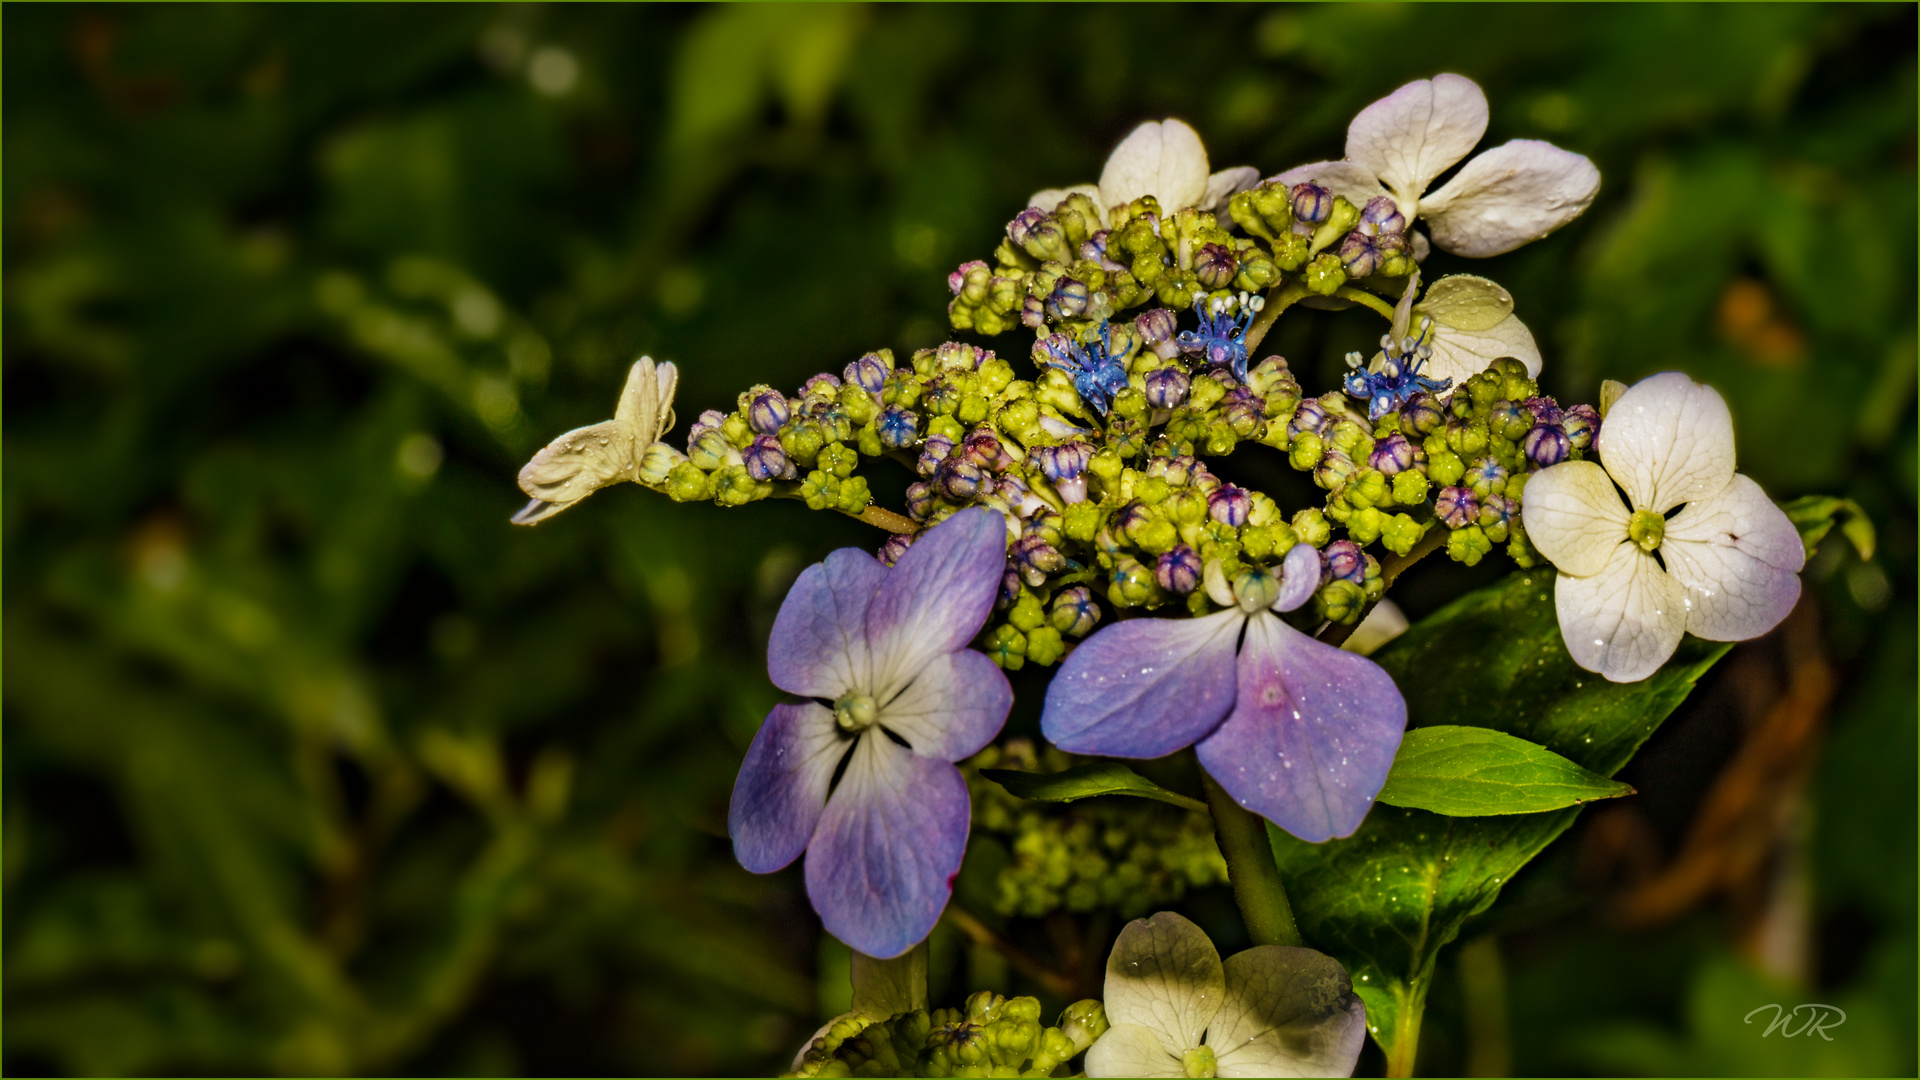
(316, 765)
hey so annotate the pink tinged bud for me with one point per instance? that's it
(1167, 388)
(1582, 423)
(1456, 507)
(896, 546)
(959, 356)
(1393, 454)
(1068, 299)
(958, 478)
(1021, 228)
(1033, 313)
(709, 421)
(1036, 559)
(932, 453)
(1382, 215)
(1311, 203)
(1214, 266)
(1359, 255)
(1156, 326)
(1178, 571)
(1066, 466)
(919, 500)
(1421, 414)
(1229, 505)
(1009, 589)
(1335, 468)
(766, 460)
(1548, 444)
(1310, 416)
(958, 280)
(1545, 410)
(768, 413)
(983, 448)
(869, 373)
(1344, 561)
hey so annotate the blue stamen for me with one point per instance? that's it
(1222, 336)
(1399, 376)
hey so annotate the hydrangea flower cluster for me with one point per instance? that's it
(1062, 510)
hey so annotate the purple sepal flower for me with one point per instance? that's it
(888, 648)
(1294, 729)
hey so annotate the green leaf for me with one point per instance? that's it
(1473, 772)
(1815, 516)
(1084, 782)
(1386, 899)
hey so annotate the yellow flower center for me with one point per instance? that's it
(854, 712)
(1198, 1061)
(1646, 529)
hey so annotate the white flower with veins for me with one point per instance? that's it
(1164, 159)
(584, 460)
(1512, 194)
(1635, 575)
(1176, 1010)
(1471, 325)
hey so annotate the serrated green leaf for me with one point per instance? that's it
(1474, 772)
(1085, 782)
(1386, 899)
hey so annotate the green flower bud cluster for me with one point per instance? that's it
(989, 1035)
(1074, 265)
(1131, 856)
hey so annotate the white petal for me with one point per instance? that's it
(1288, 1012)
(1356, 182)
(1466, 302)
(1384, 623)
(1164, 160)
(1574, 517)
(581, 462)
(1626, 620)
(952, 708)
(1051, 198)
(1222, 185)
(1460, 354)
(1165, 976)
(1131, 1050)
(1418, 132)
(1668, 440)
(1739, 559)
(1511, 195)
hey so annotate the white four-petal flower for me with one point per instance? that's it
(1634, 575)
(1512, 194)
(1176, 1010)
(1164, 159)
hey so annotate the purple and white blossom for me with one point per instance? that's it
(1633, 580)
(1294, 729)
(887, 649)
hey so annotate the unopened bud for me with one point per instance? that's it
(1358, 256)
(1311, 203)
(1167, 388)
(768, 412)
(1457, 507)
(1214, 266)
(1344, 561)
(896, 546)
(870, 372)
(767, 460)
(1382, 215)
(1393, 454)
(657, 462)
(1074, 612)
(1548, 444)
(958, 478)
(1066, 466)
(1581, 423)
(1178, 571)
(1229, 505)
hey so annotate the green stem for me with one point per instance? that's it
(1256, 880)
(1280, 299)
(1361, 296)
(1483, 994)
(1406, 1039)
(1390, 568)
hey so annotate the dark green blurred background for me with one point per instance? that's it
(314, 764)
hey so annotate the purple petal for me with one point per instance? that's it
(883, 859)
(819, 645)
(1299, 577)
(936, 597)
(1145, 687)
(955, 706)
(782, 786)
(1312, 735)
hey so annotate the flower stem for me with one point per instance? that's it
(1279, 300)
(1405, 1048)
(1390, 568)
(1361, 296)
(1256, 880)
(886, 519)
